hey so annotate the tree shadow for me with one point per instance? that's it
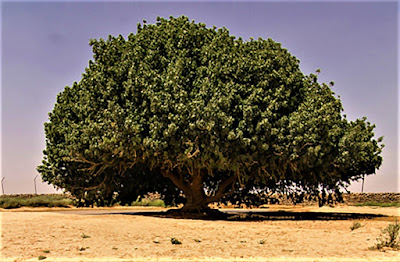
(258, 215)
(287, 215)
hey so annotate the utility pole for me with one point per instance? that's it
(362, 187)
(34, 182)
(2, 186)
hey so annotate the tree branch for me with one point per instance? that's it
(93, 187)
(306, 144)
(178, 181)
(278, 154)
(221, 190)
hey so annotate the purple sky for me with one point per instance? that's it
(45, 48)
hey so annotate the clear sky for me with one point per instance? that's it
(45, 47)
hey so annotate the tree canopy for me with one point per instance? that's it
(182, 108)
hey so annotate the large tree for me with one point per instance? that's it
(179, 102)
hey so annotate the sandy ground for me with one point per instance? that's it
(27, 234)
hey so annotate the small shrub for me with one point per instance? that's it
(355, 226)
(84, 236)
(147, 202)
(175, 241)
(261, 242)
(10, 203)
(46, 251)
(157, 203)
(389, 237)
(197, 240)
(41, 257)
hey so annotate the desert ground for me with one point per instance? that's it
(120, 234)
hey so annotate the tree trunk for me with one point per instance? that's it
(196, 199)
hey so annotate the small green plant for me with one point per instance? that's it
(197, 240)
(175, 241)
(389, 237)
(261, 242)
(146, 202)
(84, 235)
(287, 250)
(355, 226)
(41, 257)
(46, 251)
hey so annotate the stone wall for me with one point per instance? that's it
(358, 198)
(350, 198)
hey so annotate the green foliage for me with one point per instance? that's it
(145, 202)
(175, 241)
(84, 235)
(389, 237)
(182, 108)
(355, 225)
(41, 257)
(9, 202)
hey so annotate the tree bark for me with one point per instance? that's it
(196, 199)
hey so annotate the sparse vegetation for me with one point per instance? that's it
(389, 237)
(355, 226)
(9, 202)
(287, 250)
(84, 236)
(41, 257)
(261, 242)
(147, 202)
(175, 241)
(46, 251)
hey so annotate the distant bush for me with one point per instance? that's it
(147, 202)
(9, 202)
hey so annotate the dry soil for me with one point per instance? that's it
(27, 234)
